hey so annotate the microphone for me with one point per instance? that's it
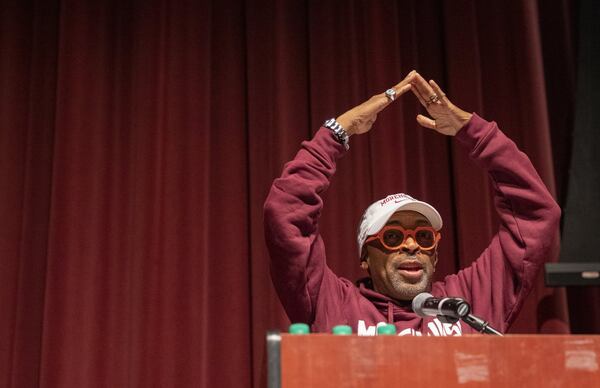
(426, 305)
(450, 310)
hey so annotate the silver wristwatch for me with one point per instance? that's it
(338, 132)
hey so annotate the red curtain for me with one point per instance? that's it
(138, 140)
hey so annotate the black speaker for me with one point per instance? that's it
(572, 274)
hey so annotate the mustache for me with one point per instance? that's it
(409, 257)
(406, 257)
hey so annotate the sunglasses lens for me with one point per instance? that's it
(425, 238)
(393, 238)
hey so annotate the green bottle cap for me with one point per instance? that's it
(299, 328)
(386, 330)
(342, 330)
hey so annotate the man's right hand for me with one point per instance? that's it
(360, 119)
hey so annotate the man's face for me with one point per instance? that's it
(404, 273)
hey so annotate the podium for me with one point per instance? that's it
(324, 360)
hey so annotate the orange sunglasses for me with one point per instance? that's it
(392, 237)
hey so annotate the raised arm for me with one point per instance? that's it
(504, 274)
(293, 208)
(500, 279)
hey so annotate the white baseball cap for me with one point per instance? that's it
(376, 215)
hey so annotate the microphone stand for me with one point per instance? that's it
(475, 322)
(480, 325)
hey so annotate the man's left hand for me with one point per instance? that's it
(448, 119)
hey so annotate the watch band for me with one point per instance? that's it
(338, 132)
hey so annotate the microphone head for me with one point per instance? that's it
(418, 301)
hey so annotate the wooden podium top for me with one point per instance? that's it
(323, 360)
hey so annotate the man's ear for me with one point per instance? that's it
(363, 259)
(434, 259)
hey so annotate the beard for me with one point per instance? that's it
(406, 285)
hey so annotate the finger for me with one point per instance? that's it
(401, 90)
(419, 97)
(426, 122)
(407, 80)
(401, 87)
(422, 86)
(382, 100)
(437, 90)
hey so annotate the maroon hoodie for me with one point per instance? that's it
(495, 284)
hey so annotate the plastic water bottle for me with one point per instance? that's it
(342, 330)
(388, 329)
(299, 328)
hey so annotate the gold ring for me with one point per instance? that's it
(434, 98)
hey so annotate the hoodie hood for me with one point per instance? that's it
(393, 310)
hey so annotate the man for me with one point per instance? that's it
(399, 236)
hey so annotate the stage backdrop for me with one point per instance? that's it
(138, 141)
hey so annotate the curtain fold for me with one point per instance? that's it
(139, 139)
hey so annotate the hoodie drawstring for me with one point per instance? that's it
(390, 313)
